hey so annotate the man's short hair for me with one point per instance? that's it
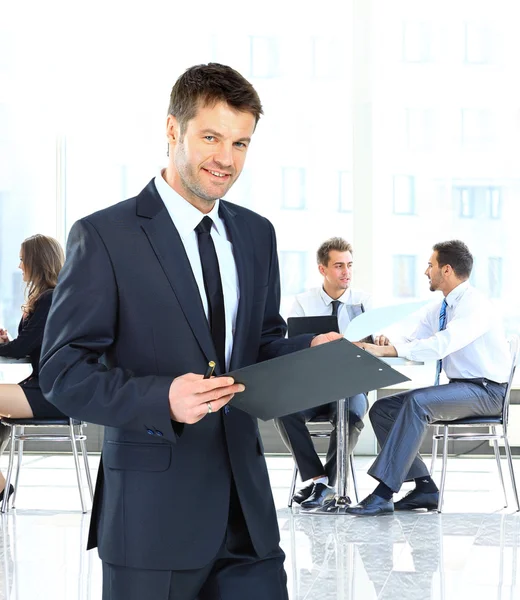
(456, 254)
(206, 85)
(335, 243)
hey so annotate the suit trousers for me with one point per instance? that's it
(235, 573)
(296, 436)
(400, 423)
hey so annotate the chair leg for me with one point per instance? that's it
(354, 478)
(18, 466)
(76, 462)
(85, 460)
(511, 470)
(444, 467)
(293, 486)
(499, 465)
(5, 501)
(435, 444)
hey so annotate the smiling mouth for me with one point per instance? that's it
(218, 174)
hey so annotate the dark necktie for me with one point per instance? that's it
(213, 287)
(442, 326)
(335, 306)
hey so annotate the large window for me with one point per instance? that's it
(395, 133)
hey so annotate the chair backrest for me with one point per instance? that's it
(514, 348)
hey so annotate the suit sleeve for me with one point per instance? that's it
(81, 328)
(273, 341)
(31, 334)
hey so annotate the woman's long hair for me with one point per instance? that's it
(43, 259)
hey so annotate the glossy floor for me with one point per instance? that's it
(470, 551)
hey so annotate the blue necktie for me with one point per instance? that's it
(442, 326)
(335, 307)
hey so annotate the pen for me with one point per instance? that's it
(209, 370)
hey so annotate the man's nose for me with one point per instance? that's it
(224, 156)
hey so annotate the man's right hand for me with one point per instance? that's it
(381, 340)
(4, 336)
(189, 396)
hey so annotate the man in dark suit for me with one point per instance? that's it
(150, 293)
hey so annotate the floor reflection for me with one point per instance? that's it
(461, 554)
(423, 556)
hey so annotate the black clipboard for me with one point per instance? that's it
(308, 378)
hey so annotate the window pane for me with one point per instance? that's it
(404, 201)
(292, 271)
(477, 43)
(293, 181)
(417, 42)
(264, 57)
(494, 202)
(345, 192)
(404, 276)
(495, 277)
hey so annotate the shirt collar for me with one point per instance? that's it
(344, 298)
(184, 215)
(456, 293)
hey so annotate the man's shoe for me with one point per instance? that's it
(303, 493)
(371, 506)
(320, 494)
(416, 499)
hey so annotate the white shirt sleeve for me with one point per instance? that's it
(463, 329)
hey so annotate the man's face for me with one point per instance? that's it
(338, 272)
(209, 157)
(434, 273)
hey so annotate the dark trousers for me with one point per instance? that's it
(401, 421)
(296, 436)
(234, 574)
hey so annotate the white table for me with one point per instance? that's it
(13, 370)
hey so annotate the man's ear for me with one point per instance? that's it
(172, 129)
(321, 269)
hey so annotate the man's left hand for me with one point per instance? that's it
(323, 338)
(377, 350)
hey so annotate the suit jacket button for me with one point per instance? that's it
(150, 432)
(226, 409)
(159, 433)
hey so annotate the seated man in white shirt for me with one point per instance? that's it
(332, 298)
(465, 335)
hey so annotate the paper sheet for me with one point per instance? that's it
(376, 320)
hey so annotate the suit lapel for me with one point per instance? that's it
(240, 236)
(169, 249)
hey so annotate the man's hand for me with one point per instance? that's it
(323, 338)
(4, 336)
(189, 396)
(377, 350)
(381, 340)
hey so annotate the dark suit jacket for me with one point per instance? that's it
(30, 337)
(127, 296)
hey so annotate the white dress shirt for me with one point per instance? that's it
(473, 344)
(186, 217)
(317, 303)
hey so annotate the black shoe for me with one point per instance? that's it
(371, 506)
(320, 494)
(303, 493)
(416, 499)
(11, 492)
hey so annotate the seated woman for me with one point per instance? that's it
(41, 259)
